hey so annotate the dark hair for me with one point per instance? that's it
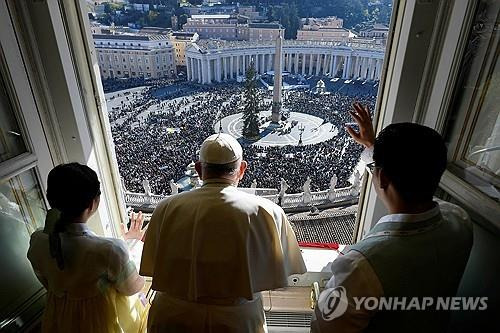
(413, 157)
(218, 170)
(71, 188)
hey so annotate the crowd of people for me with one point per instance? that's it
(159, 145)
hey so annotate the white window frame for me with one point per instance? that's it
(434, 110)
(414, 29)
(20, 92)
(68, 72)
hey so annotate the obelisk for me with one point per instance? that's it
(278, 79)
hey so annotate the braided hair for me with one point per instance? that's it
(71, 188)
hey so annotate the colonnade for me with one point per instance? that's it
(228, 63)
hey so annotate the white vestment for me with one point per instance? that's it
(210, 252)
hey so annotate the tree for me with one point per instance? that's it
(287, 15)
(251, 106)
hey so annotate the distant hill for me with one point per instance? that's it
(355, 13)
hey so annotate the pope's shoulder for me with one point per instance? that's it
(261, 201)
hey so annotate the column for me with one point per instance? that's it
(354, 63)
(244, 64)
(352, 70)
(318, 64)
(198, 66)
(325, 63)
(350, 67)
(365, 68)
(310, 64)
(188, 69)
(289, 62)
(374, 69)
(347, 63)
(360, 66)
(226, 68)
(237, 65)
(209, 71)
(370, 68)
(296, 64)
(303, 63)
(204, 71)
(333, 66)
(270, 57)
(222, 69)
(379, 69)
(231, 67)
(218, 69)
(362, 69)
(192, 69)
(264, 63)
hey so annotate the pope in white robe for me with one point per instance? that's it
(212, 250)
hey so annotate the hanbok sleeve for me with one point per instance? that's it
(122, 272)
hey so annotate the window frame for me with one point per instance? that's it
(415, 26)
(38, 158)
(434, 111)
(72, 109)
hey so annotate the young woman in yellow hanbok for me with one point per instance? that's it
(91, 282)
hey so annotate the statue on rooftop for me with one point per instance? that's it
(147, 187)
(331, 191)
(356, 183)
(307, 197)
(174, 188)
(283, 188)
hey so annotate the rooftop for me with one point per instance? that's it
(134, 37)
(265, 25)
(183, 33)
(210, 45)
(211, 16)
(329, 226)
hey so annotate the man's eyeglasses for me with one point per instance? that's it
(370, 167)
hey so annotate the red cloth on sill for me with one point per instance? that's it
(331, 246)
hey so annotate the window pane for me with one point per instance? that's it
(22, 209)
(11, 139)
(483, 148)
(474, 125)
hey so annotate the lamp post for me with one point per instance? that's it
(301, 129)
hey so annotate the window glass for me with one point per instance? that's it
(11, 139)
(22, 210)
(473, 128)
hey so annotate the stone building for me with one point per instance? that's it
(134, 56)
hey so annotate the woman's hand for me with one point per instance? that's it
(366, 135)
(135, 231)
